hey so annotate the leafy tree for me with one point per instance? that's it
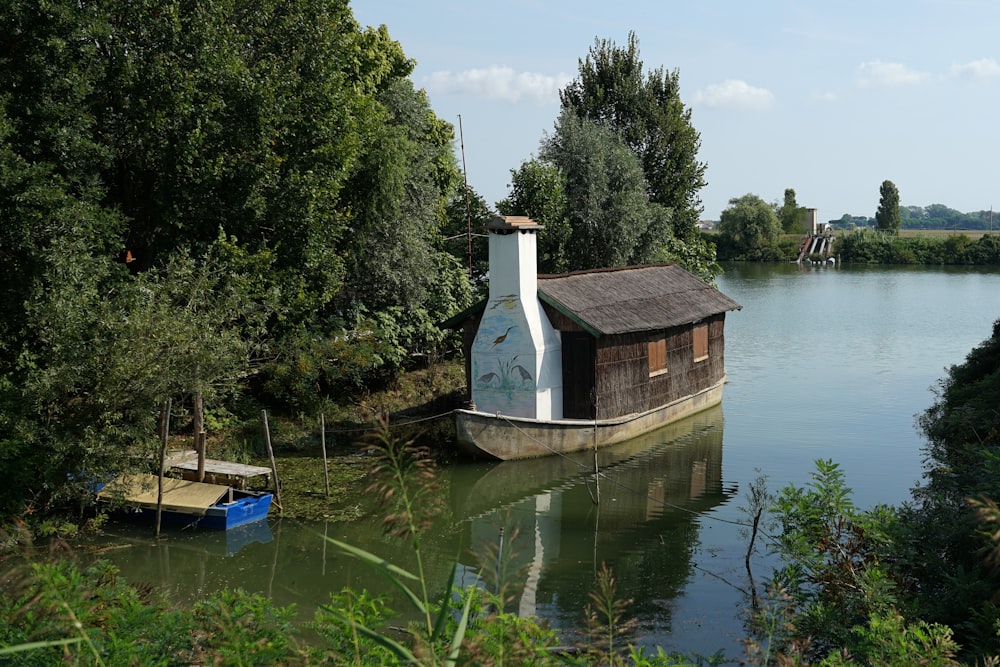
(751, 224)
(962, 430)
(397, 201)
(834, 570)
(108, 351)
(538, 190)
(646, 109)
(888, 218)
(613, 223)
(791, 214)
(193, 192)
(588, 186)
(183, 118)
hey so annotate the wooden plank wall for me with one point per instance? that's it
(623, 382)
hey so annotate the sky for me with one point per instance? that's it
(828, 98)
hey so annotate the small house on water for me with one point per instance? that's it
(574, 361)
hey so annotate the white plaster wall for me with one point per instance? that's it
(517, 355)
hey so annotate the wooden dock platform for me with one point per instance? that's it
(236, 475)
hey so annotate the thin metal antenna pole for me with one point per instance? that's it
(465, 178)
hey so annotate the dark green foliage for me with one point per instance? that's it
(888, 218)
(108, 347)
(845, 592)
(890, 587)
(117, 624)
(646, 110)
(339, 623)
(617, 182)
(241, 628)
(792, 216)
(192, 195)
(831, 552)
(750, 226)
(868, 246)
(538, 190)
(396, 198)
(963, 434)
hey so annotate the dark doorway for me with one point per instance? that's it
(578, 362)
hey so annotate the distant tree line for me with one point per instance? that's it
(935, 216)
(750, 229)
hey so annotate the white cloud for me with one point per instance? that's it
(734, 94)
(499, 83)
(877, 74)
(977, 69)
(825, 97)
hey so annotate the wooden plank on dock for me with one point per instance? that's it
(187, 461)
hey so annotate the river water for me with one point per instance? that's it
(823, 363)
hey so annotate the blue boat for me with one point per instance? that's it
(185, 502)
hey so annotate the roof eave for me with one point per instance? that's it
(573, 317)
(457, 319)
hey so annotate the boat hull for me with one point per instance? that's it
(223, 516)
(184, 502)
(508, 438)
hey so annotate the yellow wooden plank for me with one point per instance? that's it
(178, 494)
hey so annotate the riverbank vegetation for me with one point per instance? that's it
(910, 584)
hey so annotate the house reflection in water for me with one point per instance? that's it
(555, 534)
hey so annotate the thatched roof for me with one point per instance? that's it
(633, 299)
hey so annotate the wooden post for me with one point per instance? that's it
(164, 435)
(199, 444)
(274, 467)
(322, 440)
(198, 414)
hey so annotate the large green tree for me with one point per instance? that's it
(647, 111)
(538, 190)
(887, 217)
(184, 118)
(396, 200)
(750, 223)
(791, 215)
(613, 222)
(620, 170)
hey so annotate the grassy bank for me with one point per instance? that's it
(418, 404)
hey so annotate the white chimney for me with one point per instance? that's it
(517, 355)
